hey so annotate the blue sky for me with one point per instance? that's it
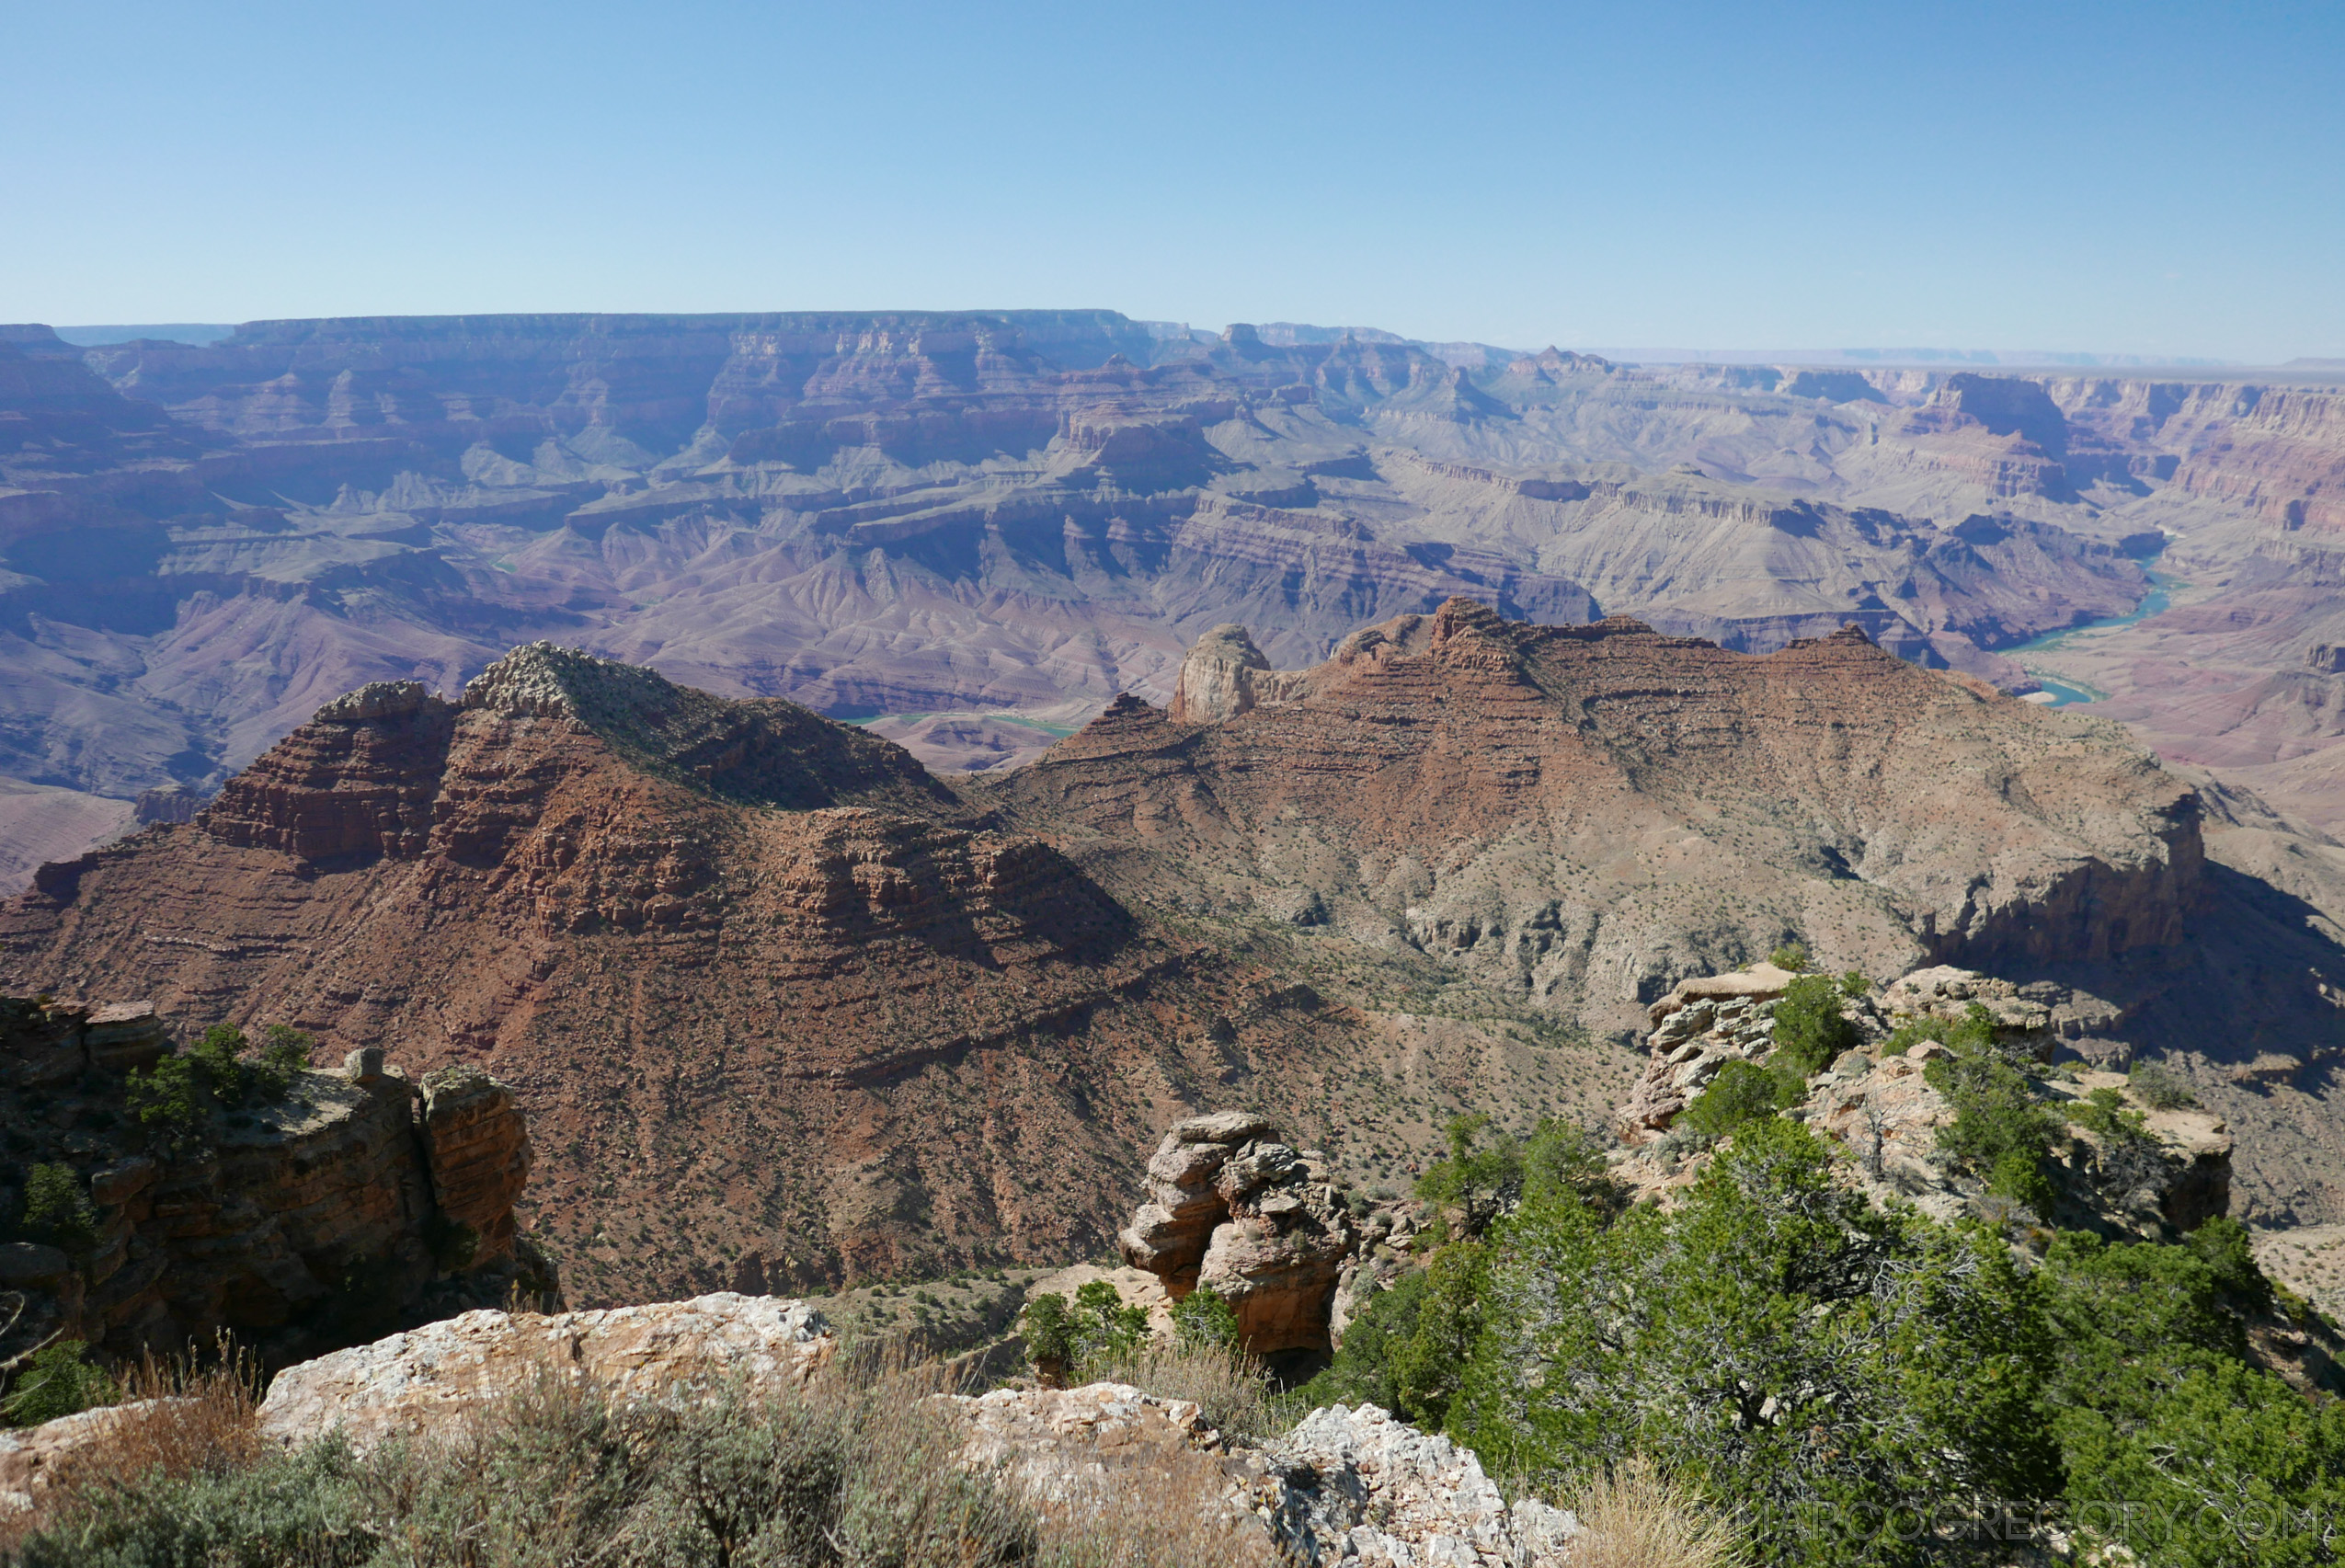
(2138, 178)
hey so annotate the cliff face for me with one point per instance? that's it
(297, 1223)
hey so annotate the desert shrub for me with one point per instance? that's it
(1833, 1375)
(1742, 1092)
(1361, 1369)
(284, 1055)
(1063, 1336)
(1791, 955)
(1203, 1320)
(1477, 1179)
(175, 1098)
(1853, 984)
(1407, 1350)
(59, 1380)
(1808, 1029)
(1975, 1031)
(1632, 1516)
(2175, 1446)
(2103, 1113)
(57, 1211)
(2160, 1087)
(1776, 1345)
(1480, 1181)
(2000, 1130)
(172, 1098)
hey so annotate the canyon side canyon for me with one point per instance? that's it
(1354, 730)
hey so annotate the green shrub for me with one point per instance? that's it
(2104, 1113)
(1477, 1179)
(1361, 1371)
(175, 1098)
(1203, 1320)
(58, 1381)
(1791, 955)
(1823, 1368)
(1061, 1337)
(1742, 1092)
(2160, 1087)
(2000, 1130)
(1774, 1342)
(284, 1055)
(1808, 1029)
(1975, 1031)
(57, 1211)
(172, 1098)
(1854, 984)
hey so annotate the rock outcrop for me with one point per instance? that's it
(1232, 1210)
(295, 1223)
(1343, 1489)
(1225, 675)
(2159, 1174)
(1709, 1019)
(1358, 1486)
(477, 1146)
(431, 1378)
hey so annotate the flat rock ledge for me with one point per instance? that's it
(426, 1376)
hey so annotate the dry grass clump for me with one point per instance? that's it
(1186, 1516)
(178, 1418)
(1229, 1386)
(1636, 1516)
(861, 1466)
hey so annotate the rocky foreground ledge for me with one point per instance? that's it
(1343, 1489)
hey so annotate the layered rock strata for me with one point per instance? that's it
(1584, 815)
(292, 1224)
(769, 990)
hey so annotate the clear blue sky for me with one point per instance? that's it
(2114, 178)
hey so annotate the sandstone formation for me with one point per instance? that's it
(1234, 1211)
(430, 1378)
(292, 1223)
(477, 1147)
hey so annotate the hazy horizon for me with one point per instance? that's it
(93, 335)
(2145, 181)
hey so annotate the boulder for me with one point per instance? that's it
(426, 1376)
